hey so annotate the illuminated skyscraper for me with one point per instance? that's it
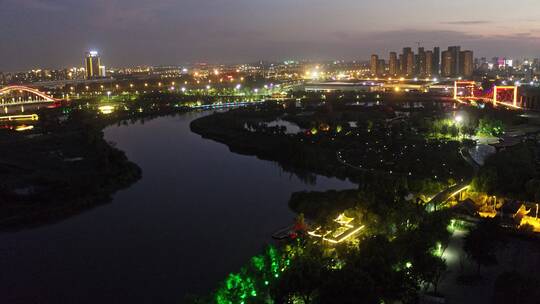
(94, 69)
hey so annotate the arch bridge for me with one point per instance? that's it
(27, 95)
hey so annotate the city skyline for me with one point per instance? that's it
(167, 32)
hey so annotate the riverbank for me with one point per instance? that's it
(151, 243)
(289, 151)
(63, 164)
(58, 170)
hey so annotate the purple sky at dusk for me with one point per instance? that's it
(56, 33)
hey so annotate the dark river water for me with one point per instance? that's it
(198, 213)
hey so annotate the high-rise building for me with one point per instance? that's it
(466, 64)
(381, 67)
(410, 64)
(393, 64)
(456, 64)
(407, 64)
(420, 66)
(452, 65)
(401, 60)
(447, 63)
(94, 69)
(374, 65)
(429, 64)
(436, 61)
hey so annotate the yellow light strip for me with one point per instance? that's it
(24, 128)
(459, 191)
(345, 237)
(20, 117)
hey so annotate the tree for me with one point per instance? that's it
(304, 276)
(490, 127)
(369, 276)
(430, 270)
(482, 242)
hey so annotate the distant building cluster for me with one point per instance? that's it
(422, 63)
(452, 63)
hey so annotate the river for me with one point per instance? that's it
(198, 213)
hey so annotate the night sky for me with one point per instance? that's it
(56, 33)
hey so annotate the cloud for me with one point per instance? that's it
(467, 22)
(41, 5)
(406, 37)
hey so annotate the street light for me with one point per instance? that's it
(108, 95)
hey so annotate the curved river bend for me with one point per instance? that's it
(198, 213)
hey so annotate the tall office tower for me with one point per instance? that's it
(429, 63)
(466, 64)
(447, 63)
(374, 64)
(436, 71)
(93, 65)
(393, 64)
(381, 67)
